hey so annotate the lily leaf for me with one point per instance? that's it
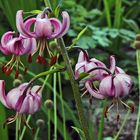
(80, 132)
(33, 12)
(82, 76)
(78, 37)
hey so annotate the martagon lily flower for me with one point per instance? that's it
(23, 99)
(16, 46)
(115, 84)
(44, 28)
(85, 64)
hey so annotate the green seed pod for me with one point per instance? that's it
(53, 44)
(48, 104)
(130, 102)
(137, 37)
(136, 45)
(20, 77)
(40, 123)
(16, 82)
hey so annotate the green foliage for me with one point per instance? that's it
(80, 132)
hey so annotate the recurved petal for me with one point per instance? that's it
(4, 40)
(125, 82)
(119, 70)
(57, 27)
(82, 57)
(93, 92)
(5, 50)
(28, 23)
(43, 28)
(24, 108)
(65, 24)
(14, 96)
(3, 97)
(20, 25)
(6, 37)
(112, 64)
(15, 46)
(29, 46)
(106, 87)
(36, 90)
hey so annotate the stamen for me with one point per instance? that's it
(118, 117)
(10, 120)
(8, 71)
(27, 124)
(84, 93)
(41, 60)
(25, 70)
(105, 112)
(53, 60)
(16, 74)
(4, 68)
(30, 58)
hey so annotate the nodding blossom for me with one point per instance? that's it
(85, 64)
(22, 99)
(116, 84)
(16, 46)
(113, 83)
(44, 28)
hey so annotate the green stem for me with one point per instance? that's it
(3, 132)
(24, 128)
(47, 3)
(107, 12)
(36, 133)
(17, 128)
(75, 88)
(138, 117)
(101, 125)
(55, 108)
(40, 75)
(62, 105)
(46, 73)
(49, 126)
(123, 124)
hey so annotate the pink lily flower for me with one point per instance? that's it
(16, 99)
(44, 28)
(16, 46)
(22, 102)
(116, 85)
(85, 64)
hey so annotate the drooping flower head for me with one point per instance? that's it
(23, 102)
(85, 64)
(44, 28)
(114, 83)
(16, 46)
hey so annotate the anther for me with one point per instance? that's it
(53, 60)
(16, 74)
(25, 70)
(118, 117)
(30, 58)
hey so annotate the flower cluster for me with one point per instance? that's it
(26, 99)
(113, 82)
(28, 42)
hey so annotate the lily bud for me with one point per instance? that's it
(48, 104)
(17, 82)
(40, 123)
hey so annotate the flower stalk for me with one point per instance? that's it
(138, 117)
(75, 88)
